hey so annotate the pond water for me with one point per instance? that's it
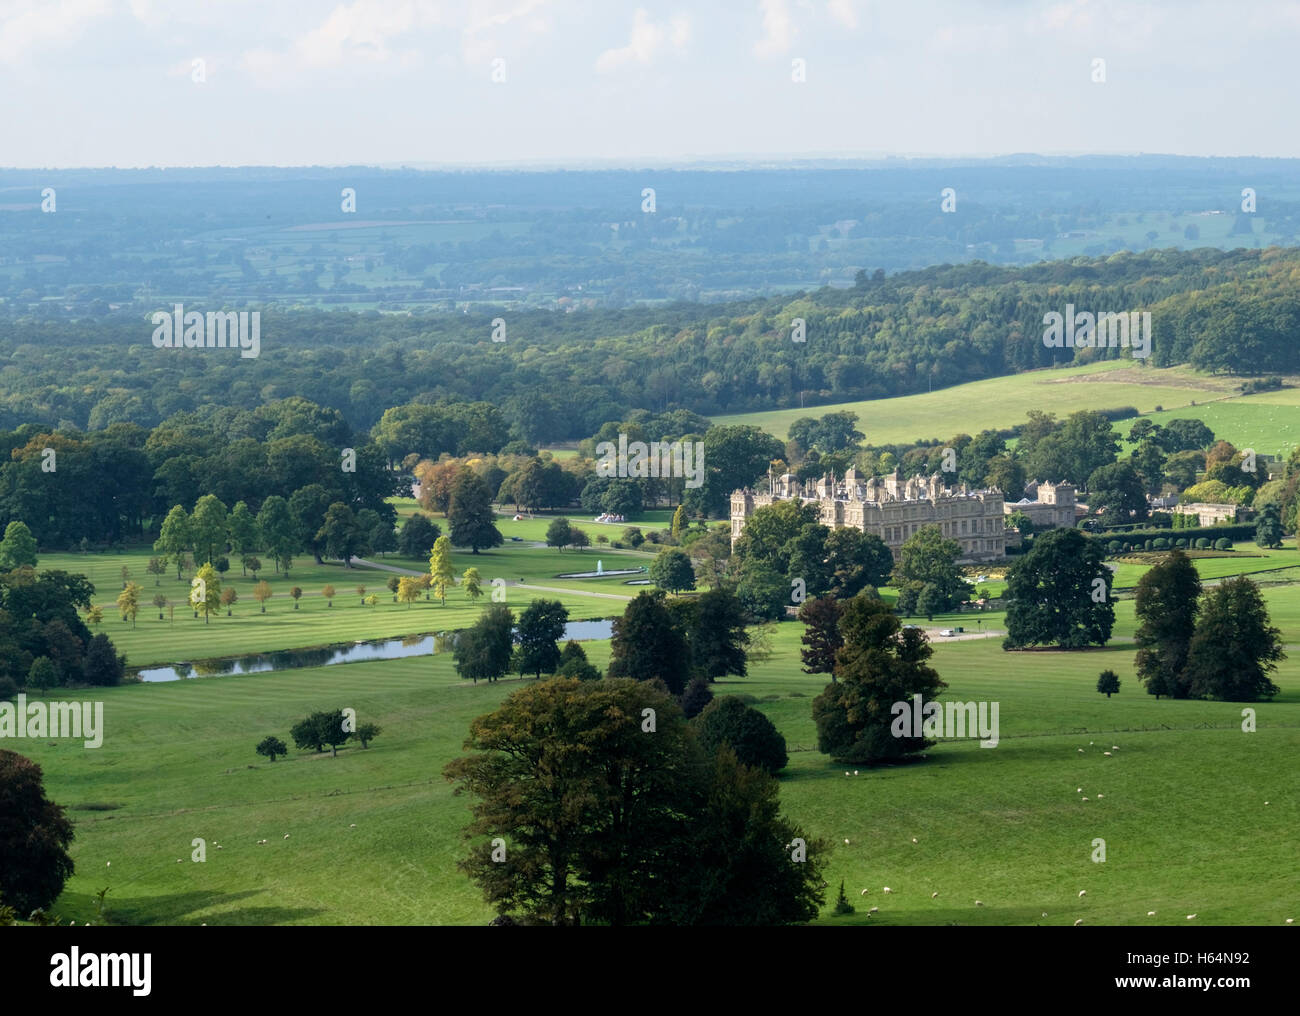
(326, 656)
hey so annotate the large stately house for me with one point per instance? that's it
(890, 507)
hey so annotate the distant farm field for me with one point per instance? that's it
(1004, 401)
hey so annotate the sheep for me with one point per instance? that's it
(914, 840)
(1085, 799)
(846, 842)
(178, 861)
(1114, 747)
(1078, 922)
(886, 890)
(1078, 790)
(846, 772)
(1080, 751)
(286, 836)
(1290, 920)
(855, 772)
(1107, 754)
(1191, 916)
(864, 892)
(352, 826)
(1083, 892)
(1100, 796)
(979, 903)
(874, 910)
(1151, 913)
(1044, 913)
(934, 896)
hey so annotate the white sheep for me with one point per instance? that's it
(1191, 916)
(286, 836)
(1083, 892)
(887, 890)
(1290, 920)
(1107, 754)
(1151, 913)
(979, 903)
(934, 896)
(873, 910)
(914, 839)
(864, 892)
(1078, 922)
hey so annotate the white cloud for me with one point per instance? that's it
(646, 40)
(778, 28)
(843, 12)
(27, 26)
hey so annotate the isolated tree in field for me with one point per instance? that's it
(160, 601)
(408, 590)
(484, 649)
(821, 638)
(296, 593)
(1108, 682)
(880, 663)
(1234, 648)
(750, 734)
(157, 567)
(18, 547)
(128, 602)
(717, 635)
(672, 570)
(417, 536)
(647, 643)
(228, 599)
(126, 575)
(95, 614)
(541, 626)
(262, 593)
(426, 583)
(34, 837)
(320, 729)
(1059, 593)
(174, 538)
(329, 592)
(393, 583)
(1166, 605)
(366, 733)
(440, 570)
(472, 582)
(253, 564)
(42, 675)
(470, 517)
(558, 534)
(271, 747)
(208, 528)
(242, 532)
(206, 598)
(104, 668)
(578, 538)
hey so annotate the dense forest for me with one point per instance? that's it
(558, 376)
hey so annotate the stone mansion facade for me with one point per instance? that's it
(891, 508)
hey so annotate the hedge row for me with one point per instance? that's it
(1240, 531)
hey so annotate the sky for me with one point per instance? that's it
(132, 83)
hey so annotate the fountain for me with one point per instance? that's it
(600, 567)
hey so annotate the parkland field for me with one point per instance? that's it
(1269, 422)
(1197, 816)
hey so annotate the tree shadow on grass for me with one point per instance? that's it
(172, 909)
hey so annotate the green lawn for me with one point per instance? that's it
(1268, 422)
(315, 622)
(1005, 825)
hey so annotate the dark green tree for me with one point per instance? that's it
(1108, 682)
(34, 837)
(417, 537)
(750, 734)
(272, 746)
(671, 570)
(484, 649)
(1166, 605)
(648, 643)
(541, 626)
(1059, 594)
(470, 517)
(1234, 648)
(717, 634)
(821, 638)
